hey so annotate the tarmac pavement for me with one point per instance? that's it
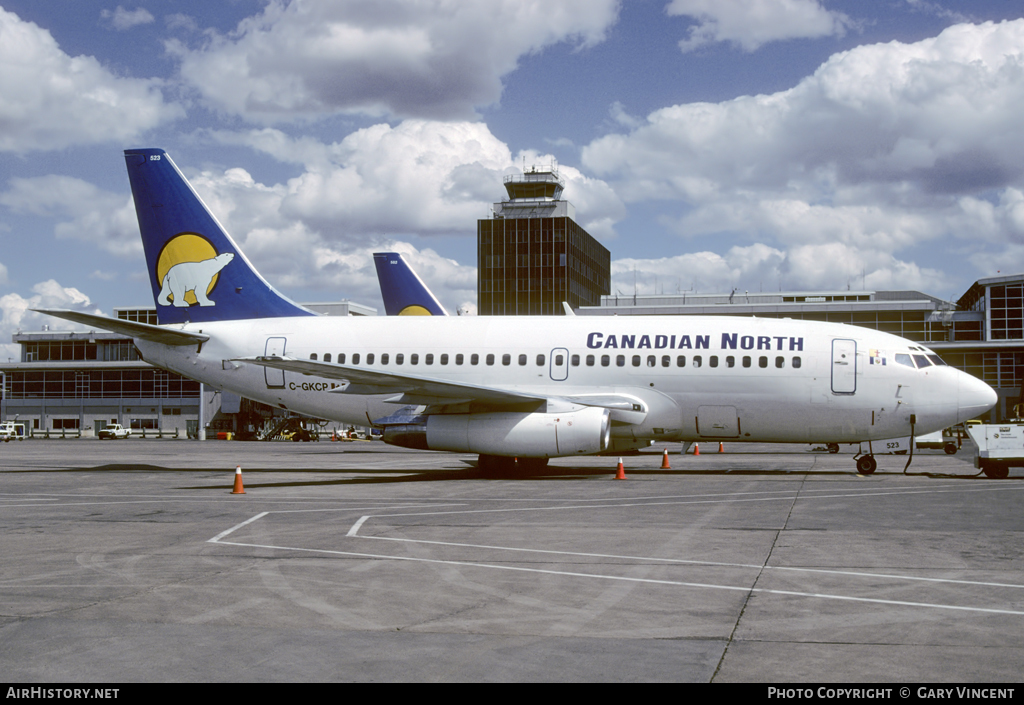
(131, 561)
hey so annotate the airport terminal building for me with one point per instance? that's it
(76, 382)
(982, 333)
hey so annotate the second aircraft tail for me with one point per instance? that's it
(404, 293)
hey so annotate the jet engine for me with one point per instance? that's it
(526, 435)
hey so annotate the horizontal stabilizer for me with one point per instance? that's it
(144, 331)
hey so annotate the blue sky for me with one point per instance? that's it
(710, 144)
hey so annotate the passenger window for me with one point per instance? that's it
(606, 360)
(506, 359)
(746, 360)
(652, 361)
(797, 362)
(369, 358)
(697, 361)
(666, 361)
(559, 360)
(590, 360)
(444, 359)
(399, 358)
(428, 359)
(762, 361)
(341, 358)
(540, 361)
(384, 358)
(636, 361)
(681, 361)
(355, 358)
(327, 357)
(522, 359)
(459, 359)
(474, 359)
(312, 356)
(780, 362)
(414, 359)
(620, 360)
(490, 358)
(713, 361)
(574, 360)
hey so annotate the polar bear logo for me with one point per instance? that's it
(191, 276)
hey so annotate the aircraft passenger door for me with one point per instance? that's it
(844, 366)
(275, 348)
(559, 364)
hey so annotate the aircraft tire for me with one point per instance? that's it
(833, 448)
(866, 464)
(950, 448)
(995, 472)
(496, 463)
(532, 464)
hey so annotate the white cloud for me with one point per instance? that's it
(751, 24)
(49, 100)
(361, 195)
(942, 113)
(406, 58)
(123, 19)
(15, 314)
(884, 148)
(760, 267)
(105, 219)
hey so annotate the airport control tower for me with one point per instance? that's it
(532, 255)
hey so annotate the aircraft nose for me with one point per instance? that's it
(975, 397)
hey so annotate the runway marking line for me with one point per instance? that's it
(353, 532)
(650, 581)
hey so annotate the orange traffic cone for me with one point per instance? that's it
(620, 472)
(696, 449)
(664, 461)
(238, 481)
(721, 447)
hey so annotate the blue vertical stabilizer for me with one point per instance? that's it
(404, 293)
(197, 272)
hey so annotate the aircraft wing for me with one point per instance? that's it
(413, 389)
(145, 331)
(416, 390)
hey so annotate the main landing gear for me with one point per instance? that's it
(500, 464)
(866, 464)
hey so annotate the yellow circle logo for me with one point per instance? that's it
(414, 310)
(181, 249)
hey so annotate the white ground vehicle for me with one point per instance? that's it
(10, 431)
(114, 431)
(1000, 447)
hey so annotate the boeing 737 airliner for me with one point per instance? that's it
(527, 387)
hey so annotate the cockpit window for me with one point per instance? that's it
(922, 361)
(937, 361)
(904, 359)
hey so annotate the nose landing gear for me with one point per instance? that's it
(866, 464)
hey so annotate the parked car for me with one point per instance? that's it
(114, 431)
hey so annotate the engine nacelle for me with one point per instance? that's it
(525, 435)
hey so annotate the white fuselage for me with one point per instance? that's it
(700, 377)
